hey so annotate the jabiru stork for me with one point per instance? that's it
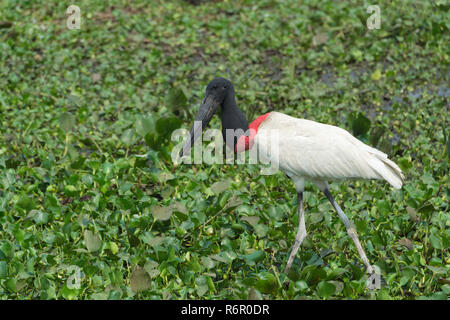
(308, 150)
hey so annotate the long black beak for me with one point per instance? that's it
(207, 109)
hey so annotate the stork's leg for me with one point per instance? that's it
(350, 230)
(301, 233)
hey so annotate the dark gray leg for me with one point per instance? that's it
(350, 230)
(301, 233)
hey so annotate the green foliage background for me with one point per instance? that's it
(86, 176)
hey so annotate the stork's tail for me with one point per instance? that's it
(387, 169)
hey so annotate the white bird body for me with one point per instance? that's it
(303, 149)
(308, 150)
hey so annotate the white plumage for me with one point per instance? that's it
(318, 152)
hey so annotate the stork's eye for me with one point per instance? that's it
(214, 87)
(224, 87)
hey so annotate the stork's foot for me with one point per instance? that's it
(292, 257)
(287, 268)
(301, 233)
(294, 252)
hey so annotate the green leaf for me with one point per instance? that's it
(161, 213)
(266, 283)
(261, 230)
(360, 124)
(207, 262)
(301, 285)
(447, 148)
(385, 145)
(3, 270)
(201, 285)
(316, 217)
(26, 203)
(127, 137)
(325, 289)
(375, 135)
(436, 241)
(92, 241)
(151, 141)
(94, 164)
(113, 247)
(11, 284)
(19, 234)
(99, 296)
(439, 296)
(319, 38)
(413, 214)
(176, 99)
(70, 191)
(232, 202)
(139, 280)
(254, 294)
(253, 258)
(69, 294)
(338, 285)
(252, 220)
(164, 176)
(180, 207)
(220, 186)
(237, 227)
(376, 75)
(66, 122)
(404, 164)
(40, 217)
(145, 125)
(224, 256)
(166, 125)
(114, 295)
(6, 250)
(151, 267)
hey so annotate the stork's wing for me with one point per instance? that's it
(322, 152)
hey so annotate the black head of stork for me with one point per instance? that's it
(218, 93)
